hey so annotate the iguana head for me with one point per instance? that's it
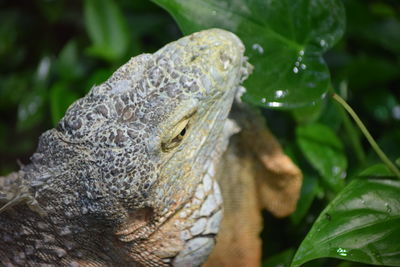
(145, 138)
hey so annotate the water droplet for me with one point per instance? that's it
(303, 66)
(335, 170)
(258, 48)
(295, 70)
(341, 252)
(301, 52)
(396, 112)
(297, 63)
(299, 59)
(274, 104)
(388, 208)
(280, 93)
(322, 43)
(263, 100)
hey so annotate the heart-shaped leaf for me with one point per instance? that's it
(361, 224)
(285, 40)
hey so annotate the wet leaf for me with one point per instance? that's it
(324, 150)
(285, 41)
(362, 224)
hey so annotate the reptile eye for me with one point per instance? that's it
(177, 136)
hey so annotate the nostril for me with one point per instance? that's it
(193, 58)
(225, 59)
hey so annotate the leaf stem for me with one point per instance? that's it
(367, 135)
(353, 136)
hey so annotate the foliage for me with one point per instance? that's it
(287, 38)
(52, 52)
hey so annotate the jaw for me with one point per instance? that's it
(184, 238)
(199, 221)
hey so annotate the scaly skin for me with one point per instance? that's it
(127, 176)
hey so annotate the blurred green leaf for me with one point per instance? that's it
(68, 64)
(309, 113)
(377, 170)
(8, 36)
(389, 142)
(379, 104)
(13, 88)
(282, 259)
(61, 97)
(284, 41)
(52, 10)
(31, 108)
(107, 29)
(324, 150)
(362, 224)
(11, 51)
(365, 71)
(308, 192)
(97, 77)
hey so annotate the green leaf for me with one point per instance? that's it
(30, 110)
(362, 224)
(281, 259)
(60, 99)
(377, 170)
(308, 192)
(308, 114)
(285, 41)
(31, 107)
(98, 77)
(68, 65)
(107, 29)
(324, 150)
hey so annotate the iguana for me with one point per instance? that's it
(128, 176)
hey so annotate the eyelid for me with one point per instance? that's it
(173, 138)
(179, 127)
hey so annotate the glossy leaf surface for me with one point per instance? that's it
(358, 225)
(324, 150)
(284, 41)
